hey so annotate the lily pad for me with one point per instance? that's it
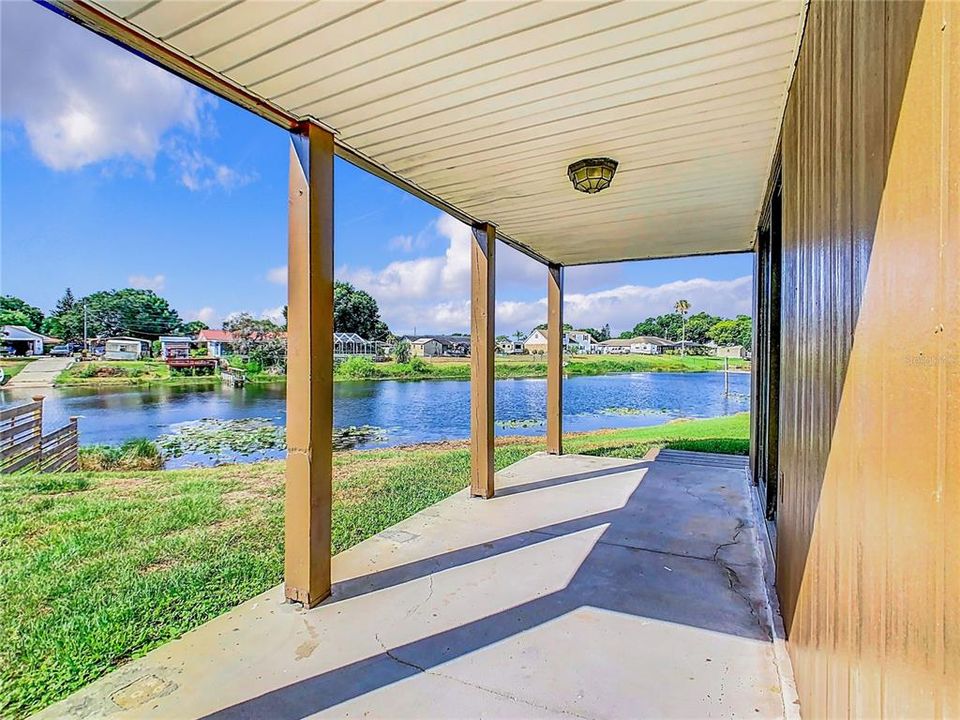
(247, 436)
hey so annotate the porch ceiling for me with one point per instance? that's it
(484, 104)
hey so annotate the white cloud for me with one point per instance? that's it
(401, 242)
(200, 172)
(82, 100)
(433, 293)
(275, 314)
(205, 315)
(625, 306)
(277, 275)
(145, 282)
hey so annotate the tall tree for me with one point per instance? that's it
(567, 327)
(65, 304)
(683, 307)
(260, 341)
(194, 327)
(698, 326)
(733, 332)
(664, 326)
(138, 313)
(356, 311)
(66, 320)
(18, 312)
(402, 351)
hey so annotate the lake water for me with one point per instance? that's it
(407, 411)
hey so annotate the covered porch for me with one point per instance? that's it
(588, 587)
(817, 135)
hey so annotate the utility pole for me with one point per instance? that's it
(85, 346)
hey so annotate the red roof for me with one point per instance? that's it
(215, 336)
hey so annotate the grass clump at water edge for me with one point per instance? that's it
(133, 454)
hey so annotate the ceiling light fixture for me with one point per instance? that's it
(592, 175)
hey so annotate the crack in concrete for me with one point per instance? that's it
(723, 507)
(643, 548)
(733, 579)
(416, 608)
(497, 693)
(397, 659)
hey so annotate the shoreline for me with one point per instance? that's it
(444, 369)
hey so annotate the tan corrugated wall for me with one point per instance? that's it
(869, 521)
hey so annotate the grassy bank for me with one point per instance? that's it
(12, 366)
(526, 366)
(100, 567)
(130, 372)
(119, 373)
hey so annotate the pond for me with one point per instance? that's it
(404, 412)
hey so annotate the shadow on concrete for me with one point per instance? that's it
(566, 479)
(624, 572)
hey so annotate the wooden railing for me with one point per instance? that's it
(24, 447)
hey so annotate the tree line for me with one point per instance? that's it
(144, 314)
(700, 328)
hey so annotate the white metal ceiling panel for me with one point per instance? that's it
(484, 104)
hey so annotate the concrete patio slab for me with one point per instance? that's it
(589, 587)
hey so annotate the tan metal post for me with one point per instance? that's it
(309, 477)
(482, 298)
(555, 359)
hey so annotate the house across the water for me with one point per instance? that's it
(576, 342)
(24, 341)
(174, 347)
(649, 345)
(733, 351)
(439, 345)
(640, 345)
(124, 348)
(219, 342)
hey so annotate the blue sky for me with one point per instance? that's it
(115, 173)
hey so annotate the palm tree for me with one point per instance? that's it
(683, 307)
(520, 335)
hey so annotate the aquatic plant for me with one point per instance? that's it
(245, 436)
(215, 437)
(631, 411)
(523, 423)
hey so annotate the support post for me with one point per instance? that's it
(555, 359)
(482, 297)
(309, 474)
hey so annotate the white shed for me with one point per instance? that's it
(123, 348)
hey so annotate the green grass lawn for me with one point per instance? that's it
(12, 366)
(116, 372)
(98, 568)
(124, 372)
(526, 366)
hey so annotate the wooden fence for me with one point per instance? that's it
(24, 447)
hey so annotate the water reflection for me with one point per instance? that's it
(409, 411)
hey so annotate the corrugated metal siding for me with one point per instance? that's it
(868, 540)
